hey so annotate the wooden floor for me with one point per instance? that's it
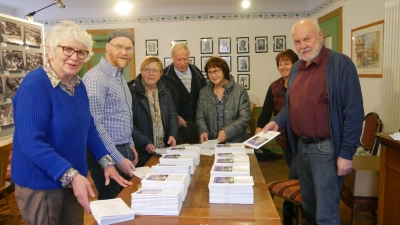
(272, 170)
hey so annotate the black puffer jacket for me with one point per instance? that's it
(142, 122)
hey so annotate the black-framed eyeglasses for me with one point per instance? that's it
(210, 72)
(120, 48)
(68, 51)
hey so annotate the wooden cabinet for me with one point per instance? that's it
(389, 181)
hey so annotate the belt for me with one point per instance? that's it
(121, 145)
(307, 140)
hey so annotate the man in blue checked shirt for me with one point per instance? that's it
(111, 107)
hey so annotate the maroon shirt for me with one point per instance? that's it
(308, 99)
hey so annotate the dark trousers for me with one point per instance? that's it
(188, 134)
(113, 188)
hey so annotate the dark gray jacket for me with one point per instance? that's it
(236, 112)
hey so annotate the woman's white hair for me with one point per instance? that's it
(68, 30)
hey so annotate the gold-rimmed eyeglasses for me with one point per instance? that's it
(68, 51)
(211, 72)
(120, 48)
(148, 70)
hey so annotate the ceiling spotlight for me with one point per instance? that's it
(123, 7)
(245, 4)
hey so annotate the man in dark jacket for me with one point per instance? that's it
(184, 82)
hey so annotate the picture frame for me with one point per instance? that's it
(203, 63)
(7, 115)
(178, 41)
(244, 80)
(167, 61)
(242, 45)
(13, 60)
(206, 45)
(243, 63)
(33, 60)
(11, 32)
(228, 61)
(192, 60)
(261, 44)
(224, 45)
(367, 49)
(12, 84)
(279, 43)
(33, 36)
(152, 47)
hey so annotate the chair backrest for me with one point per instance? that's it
(251, 127)
(372, 125)
(4, 154)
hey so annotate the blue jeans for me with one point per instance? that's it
(96, 171)
(319, 184)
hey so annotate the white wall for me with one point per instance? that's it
(353, 17)
(7, 10)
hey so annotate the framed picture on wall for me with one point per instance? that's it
(244, 80)
(192, 60)
(11, 32)
(178, 41)
(152, 47)
(224, 45)
(33, 60)
(243, 63)
(261, 44)
(279, 43)
(203, 63)
(228, 61)
(206, 45)
(33, 36)
(13, 60)
(167, 61)
(242, 44)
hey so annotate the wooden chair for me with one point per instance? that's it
(4, 185)
(372, 125)
(251, 128)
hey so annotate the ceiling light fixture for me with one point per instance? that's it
(123, 7)
(245, 4)
(59, 3)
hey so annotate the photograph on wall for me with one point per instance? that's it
(33, 36)
(1, 88)
(261, 44)
(243, 63)
(228, 61)
(13, 60)
(167, 61)
(33, 60)
(12, 85)
(279, 43)
(244, 80)
(204, 60)
(6, 115)
(11, 32)
(206, 45)
(178, 41)
(152, 47)
(224, 45)
(242, 45)
(192, 60)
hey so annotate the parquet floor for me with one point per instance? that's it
(272, 170)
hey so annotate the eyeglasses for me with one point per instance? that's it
(148, 70)
(213, 72)
(120, 48)
(68, 51)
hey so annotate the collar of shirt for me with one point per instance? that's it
(110, 69)
(179, 73)
(55, 81)
(317, 60)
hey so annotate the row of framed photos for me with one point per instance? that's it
(243, 62)
(13, 61)
(224, 45)
(12, 32)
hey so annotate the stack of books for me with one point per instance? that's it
(227, 148)
(231, 190)
(160, 202)
(111, 211)
(238, 154)
(192, 150)
(182, 169)
(230, 171)
(179, 159)
(178, 181)
(226, 161)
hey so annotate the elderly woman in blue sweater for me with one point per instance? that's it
(53, 129)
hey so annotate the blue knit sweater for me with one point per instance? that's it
(52, 132)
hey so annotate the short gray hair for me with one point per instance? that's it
(66, 30)
(179, 46)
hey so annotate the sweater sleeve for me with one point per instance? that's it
(267, 110)
(32, 110)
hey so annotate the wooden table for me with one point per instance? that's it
(196, 208)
